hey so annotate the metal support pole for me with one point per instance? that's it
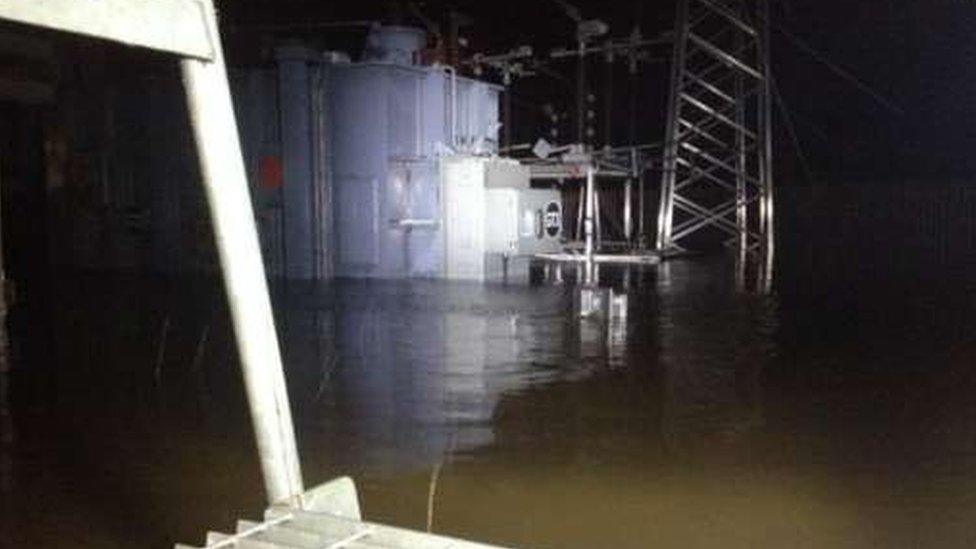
(741, 210)
(767, 165)
(507, 116)
(581, 95)
(628, 209)
(588, 221)
(218, 146)
(641, 207)
(597, 218)
(581, 211)
(635, 176)
(608, 102)
(669, 162)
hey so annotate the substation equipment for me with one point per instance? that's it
(392, 168)
(389, 168)
(717, 162)
(326, 516)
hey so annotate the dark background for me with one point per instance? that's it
(916, 55)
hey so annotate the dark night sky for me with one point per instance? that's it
(919, 55)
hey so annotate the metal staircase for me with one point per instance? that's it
(717, 172)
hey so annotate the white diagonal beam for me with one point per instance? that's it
(173, 26)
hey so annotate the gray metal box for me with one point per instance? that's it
(491, 228)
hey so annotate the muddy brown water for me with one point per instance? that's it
(833, 413)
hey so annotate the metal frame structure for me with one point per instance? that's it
(622, 165)
(576, 164)
(717, 161)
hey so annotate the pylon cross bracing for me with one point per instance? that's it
(717, 166)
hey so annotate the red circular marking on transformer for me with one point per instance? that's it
(270, 172)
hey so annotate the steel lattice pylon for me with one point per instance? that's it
(718, 151)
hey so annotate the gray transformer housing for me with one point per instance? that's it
(362, 148)
(390, 126)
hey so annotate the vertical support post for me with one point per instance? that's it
(740, 271)
(597, 217)
(635, 176)
(588, 221)
(741, 190)
(581, 211)
(322, 186)
(637, 157)
(608, 101)
(581, 95)
(218, 146)
(766, 177)
(669, 162)
(628, 209)
(642, 206)
(507, 116)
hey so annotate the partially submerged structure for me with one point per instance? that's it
(188, 28)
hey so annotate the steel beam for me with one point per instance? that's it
(729, 15)
(225, 182)
(174, 26)
(724, 56)
(716, 165)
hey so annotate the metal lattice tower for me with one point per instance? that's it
(717, 154)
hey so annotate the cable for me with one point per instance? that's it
(791, 129)
(839, 71)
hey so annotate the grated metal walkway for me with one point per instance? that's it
(330, 519)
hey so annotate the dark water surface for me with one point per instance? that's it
(837, 412)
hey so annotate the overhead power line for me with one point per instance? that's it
(840, 71)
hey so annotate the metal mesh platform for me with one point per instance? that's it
(329, 519)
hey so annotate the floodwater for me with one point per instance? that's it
(835, 412)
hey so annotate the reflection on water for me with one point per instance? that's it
(414, 369)
(712, 405)
(714, 416)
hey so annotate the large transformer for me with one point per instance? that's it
(367, 154)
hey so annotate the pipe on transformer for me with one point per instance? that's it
(295, 108)
(454, 106)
